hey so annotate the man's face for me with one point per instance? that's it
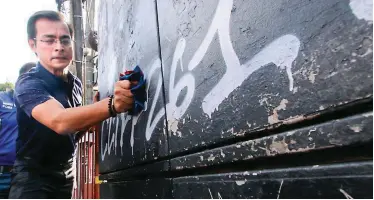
(51, 44)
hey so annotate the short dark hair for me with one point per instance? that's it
(26, 67)
(44, 14)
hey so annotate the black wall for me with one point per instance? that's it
(246, 99)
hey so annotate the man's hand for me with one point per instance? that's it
(123, 98)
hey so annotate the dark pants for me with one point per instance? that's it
(32, 183)
(4, 185)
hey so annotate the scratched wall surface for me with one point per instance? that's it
(237, 86)
(301, 182)
(246, 65)
(128, 37)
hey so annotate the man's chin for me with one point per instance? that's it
(61, 63)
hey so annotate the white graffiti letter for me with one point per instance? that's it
(151, 124)
(281, 52)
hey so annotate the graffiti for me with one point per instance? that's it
(151, 125)
(112, 136)
(124, 118)
(103, 148)
(174, 112)
(362, 9)
(281, 52)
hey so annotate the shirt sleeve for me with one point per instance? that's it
(30, 92)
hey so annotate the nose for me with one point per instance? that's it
(59, 46)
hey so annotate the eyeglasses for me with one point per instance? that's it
(51, 41)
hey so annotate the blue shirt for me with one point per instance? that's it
(37, 143)
(8, 129)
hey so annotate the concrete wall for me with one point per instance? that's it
(232, 83)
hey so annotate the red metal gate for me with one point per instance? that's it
(86, 177)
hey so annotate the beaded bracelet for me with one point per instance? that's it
(112, 113)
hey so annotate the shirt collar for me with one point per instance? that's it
(50, 78)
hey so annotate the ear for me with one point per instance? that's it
(32, 45)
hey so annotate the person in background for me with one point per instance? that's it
(8, 134)
(49, 112)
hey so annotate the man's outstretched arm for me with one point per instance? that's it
(68, 120)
